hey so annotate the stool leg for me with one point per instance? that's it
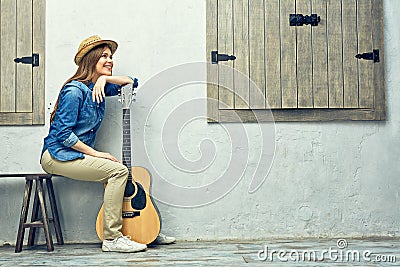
(34, 218)
(54, 210)
(24, 213)
(42, 202)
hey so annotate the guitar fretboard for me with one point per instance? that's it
(126, 141)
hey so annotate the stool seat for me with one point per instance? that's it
(39, 204)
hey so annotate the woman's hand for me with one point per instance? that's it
(98, 90)
(105, 155)
(85, 149)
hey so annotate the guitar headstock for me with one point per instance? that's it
(128, 94)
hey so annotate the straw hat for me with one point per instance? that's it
(90, 43)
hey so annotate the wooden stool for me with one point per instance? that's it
(39, 201)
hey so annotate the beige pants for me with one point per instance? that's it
(96, 170)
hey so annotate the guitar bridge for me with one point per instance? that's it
(130, 214)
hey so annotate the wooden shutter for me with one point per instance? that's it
(301, 72)
(22, 85)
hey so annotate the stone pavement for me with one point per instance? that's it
(274, 252)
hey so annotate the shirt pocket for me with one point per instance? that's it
(89, 113)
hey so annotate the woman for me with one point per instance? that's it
(69, 147)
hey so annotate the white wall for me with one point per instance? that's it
(327, 179)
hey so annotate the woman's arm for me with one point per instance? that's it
(98, 89)
(85, 149)
(120, 80)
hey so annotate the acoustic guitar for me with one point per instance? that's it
(140, 217)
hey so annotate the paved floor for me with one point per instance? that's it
(310, 252)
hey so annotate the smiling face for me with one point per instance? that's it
(105, 64)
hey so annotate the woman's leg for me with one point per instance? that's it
(97, 170)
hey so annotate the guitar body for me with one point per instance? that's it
(142, 225)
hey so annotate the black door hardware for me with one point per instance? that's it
(215, 57)
(300, 20)
(374, 55)
(33, 60)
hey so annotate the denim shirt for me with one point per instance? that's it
(77, 118)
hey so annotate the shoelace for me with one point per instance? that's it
(125, 239)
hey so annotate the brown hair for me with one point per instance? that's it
(85, 72)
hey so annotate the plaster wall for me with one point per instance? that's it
(326, 180)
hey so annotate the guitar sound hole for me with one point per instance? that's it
(129, 189)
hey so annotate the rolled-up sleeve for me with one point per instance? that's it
(70, 102)
(71, 140)
(135, 82)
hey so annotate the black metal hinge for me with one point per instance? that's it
(33, 60)
(215, 57)
(300, 20)
(374, 55)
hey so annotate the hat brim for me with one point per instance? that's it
(81, 53)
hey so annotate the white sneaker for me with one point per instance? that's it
(163, 240)
(122, 244)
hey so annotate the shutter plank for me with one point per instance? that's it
(24, 48)
(350, 72)
(295, 115)
(288, 55)
(212, 69)
(225, 46)
(365, 67)
(379, 68)
(39, 42)
(273, 54)
(8, 53)
(15, 118)
(335, 64)
(241, 51)
(1, 37)
(257, 59)
(304, 58)
(320, 54)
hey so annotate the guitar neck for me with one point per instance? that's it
(126, 140)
